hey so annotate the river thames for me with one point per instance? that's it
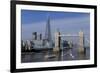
(47, 56)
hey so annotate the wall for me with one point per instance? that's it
(5, 35)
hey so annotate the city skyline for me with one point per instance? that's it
(66, 22)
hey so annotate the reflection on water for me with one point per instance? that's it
(64, 55)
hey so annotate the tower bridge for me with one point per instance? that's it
(58, 37)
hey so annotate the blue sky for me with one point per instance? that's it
(66, 22)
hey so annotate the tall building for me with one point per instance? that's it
(48, 38)
(34, 35)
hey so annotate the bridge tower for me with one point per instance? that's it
(81, 42)
(57, 42)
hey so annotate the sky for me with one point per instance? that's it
(66, 22)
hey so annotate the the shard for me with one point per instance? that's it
(48, 37)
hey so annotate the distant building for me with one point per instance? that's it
(38, 44)
(40, 36)
(34, 35)
(28, 45)
(22, 45)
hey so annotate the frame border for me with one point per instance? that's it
(13, 36)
